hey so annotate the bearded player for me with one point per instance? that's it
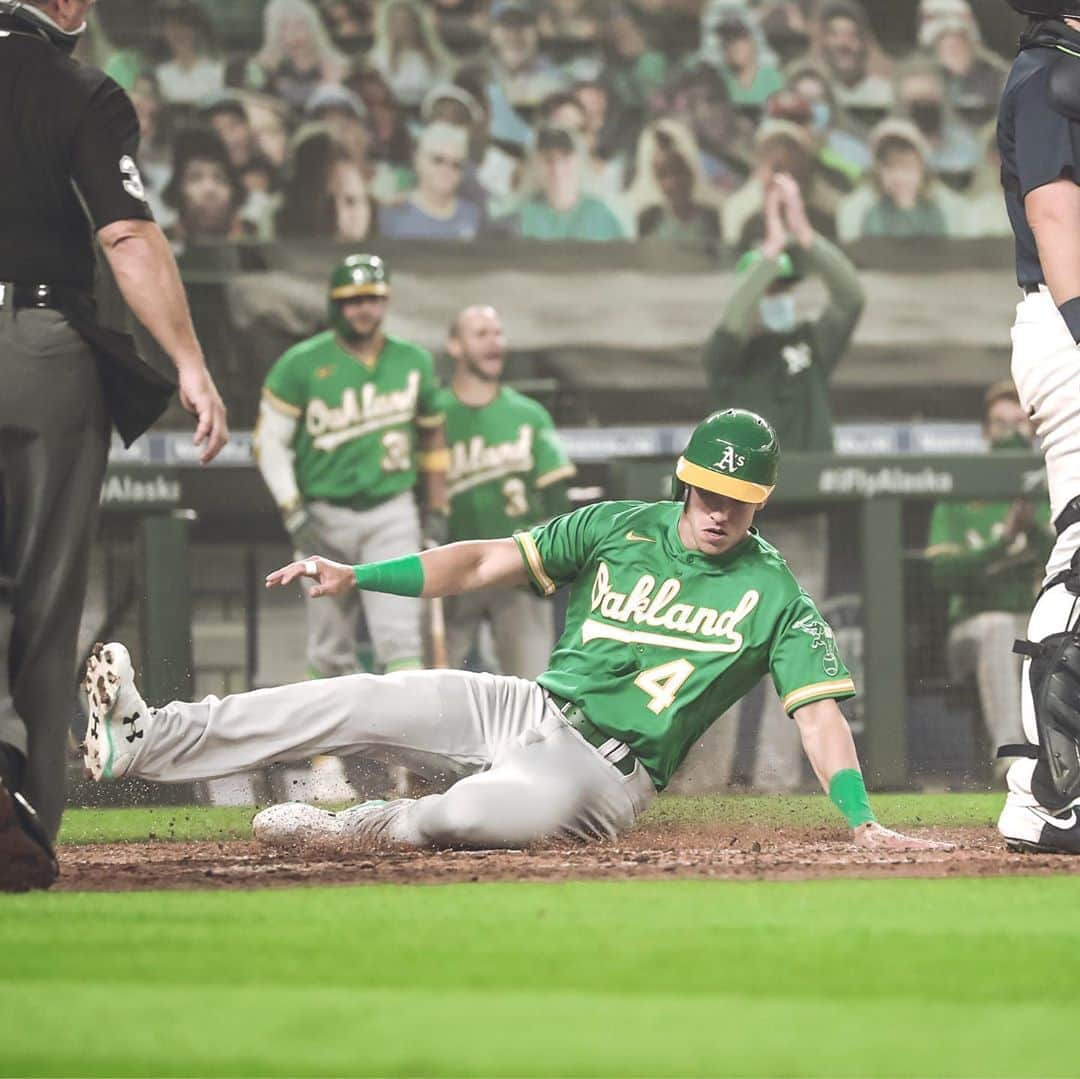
(676, 609)
(1039, 141)
(346, 418)
(508, 471)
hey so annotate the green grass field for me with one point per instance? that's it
(687, 978)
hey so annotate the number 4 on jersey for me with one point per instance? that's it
(663, 682)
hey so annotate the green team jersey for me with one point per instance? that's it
(501, 457)
(981, 570)
(356, 436)
(661, 640)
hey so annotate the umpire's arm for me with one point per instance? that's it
(149, 281)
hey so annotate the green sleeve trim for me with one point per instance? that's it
(534, 564)
(847, 792)
(397, 576)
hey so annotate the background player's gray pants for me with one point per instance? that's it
(527, 773)
(53, 444)
(388, 530)
(522, 628)
(981, 646)
(778, 755)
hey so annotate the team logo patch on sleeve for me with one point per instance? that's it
(822, 635)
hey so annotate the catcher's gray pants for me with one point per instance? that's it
(982, 646)
(388, 530)
(777, 765)
(524, 773)
(522, 629)
(53, 443)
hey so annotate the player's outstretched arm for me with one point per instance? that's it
(442, 571)
(826, 738)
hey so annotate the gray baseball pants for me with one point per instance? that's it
(388, 530)
(522, 772)
(522, 628)
(54, 439)
(982, 646)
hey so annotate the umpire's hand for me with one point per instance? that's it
(200, 396)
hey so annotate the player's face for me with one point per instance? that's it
(481, 343)
(365, 315)
(1007, 421)
(713, 523)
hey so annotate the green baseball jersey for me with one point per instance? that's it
(661, 640)
(971, 559)
(357, 430)
(501, 457)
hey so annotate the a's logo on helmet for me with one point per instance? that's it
(730, 461)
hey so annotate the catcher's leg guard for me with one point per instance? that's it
(1051, 695)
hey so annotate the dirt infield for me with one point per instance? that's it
(656, 851)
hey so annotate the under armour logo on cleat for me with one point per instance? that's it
(134, 732)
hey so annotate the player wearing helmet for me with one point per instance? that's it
(1039, 141)
(676, 609)
(346, 418)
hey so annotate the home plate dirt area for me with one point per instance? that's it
(653, 850)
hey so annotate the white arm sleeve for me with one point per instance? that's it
(274, 454)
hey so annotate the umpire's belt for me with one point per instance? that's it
(15, 296)
(616, 753)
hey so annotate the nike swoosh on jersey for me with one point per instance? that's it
(633, 537)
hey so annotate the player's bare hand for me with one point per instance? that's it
(331, 578)
(873, 836)
(199, 395)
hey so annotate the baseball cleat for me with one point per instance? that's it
(27, 860)
(293, 824)
(1032, 830)
(118, 714)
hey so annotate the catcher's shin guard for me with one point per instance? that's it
(1054, 682)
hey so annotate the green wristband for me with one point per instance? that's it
(847, 792)
(398, 576)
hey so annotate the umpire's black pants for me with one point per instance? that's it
(54, 441)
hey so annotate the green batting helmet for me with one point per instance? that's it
(358, 275)
(734, 452)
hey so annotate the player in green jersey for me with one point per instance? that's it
(676, 608)
(347, 419)
(508, 471)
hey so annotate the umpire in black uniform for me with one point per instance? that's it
(68, 151)
(1039, 140)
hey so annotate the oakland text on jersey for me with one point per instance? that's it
(645, 604)
(473, 462)
(330, 427)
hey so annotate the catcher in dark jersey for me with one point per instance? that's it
(676, 609)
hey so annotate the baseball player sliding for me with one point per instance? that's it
(508, 471)
(676, 609)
